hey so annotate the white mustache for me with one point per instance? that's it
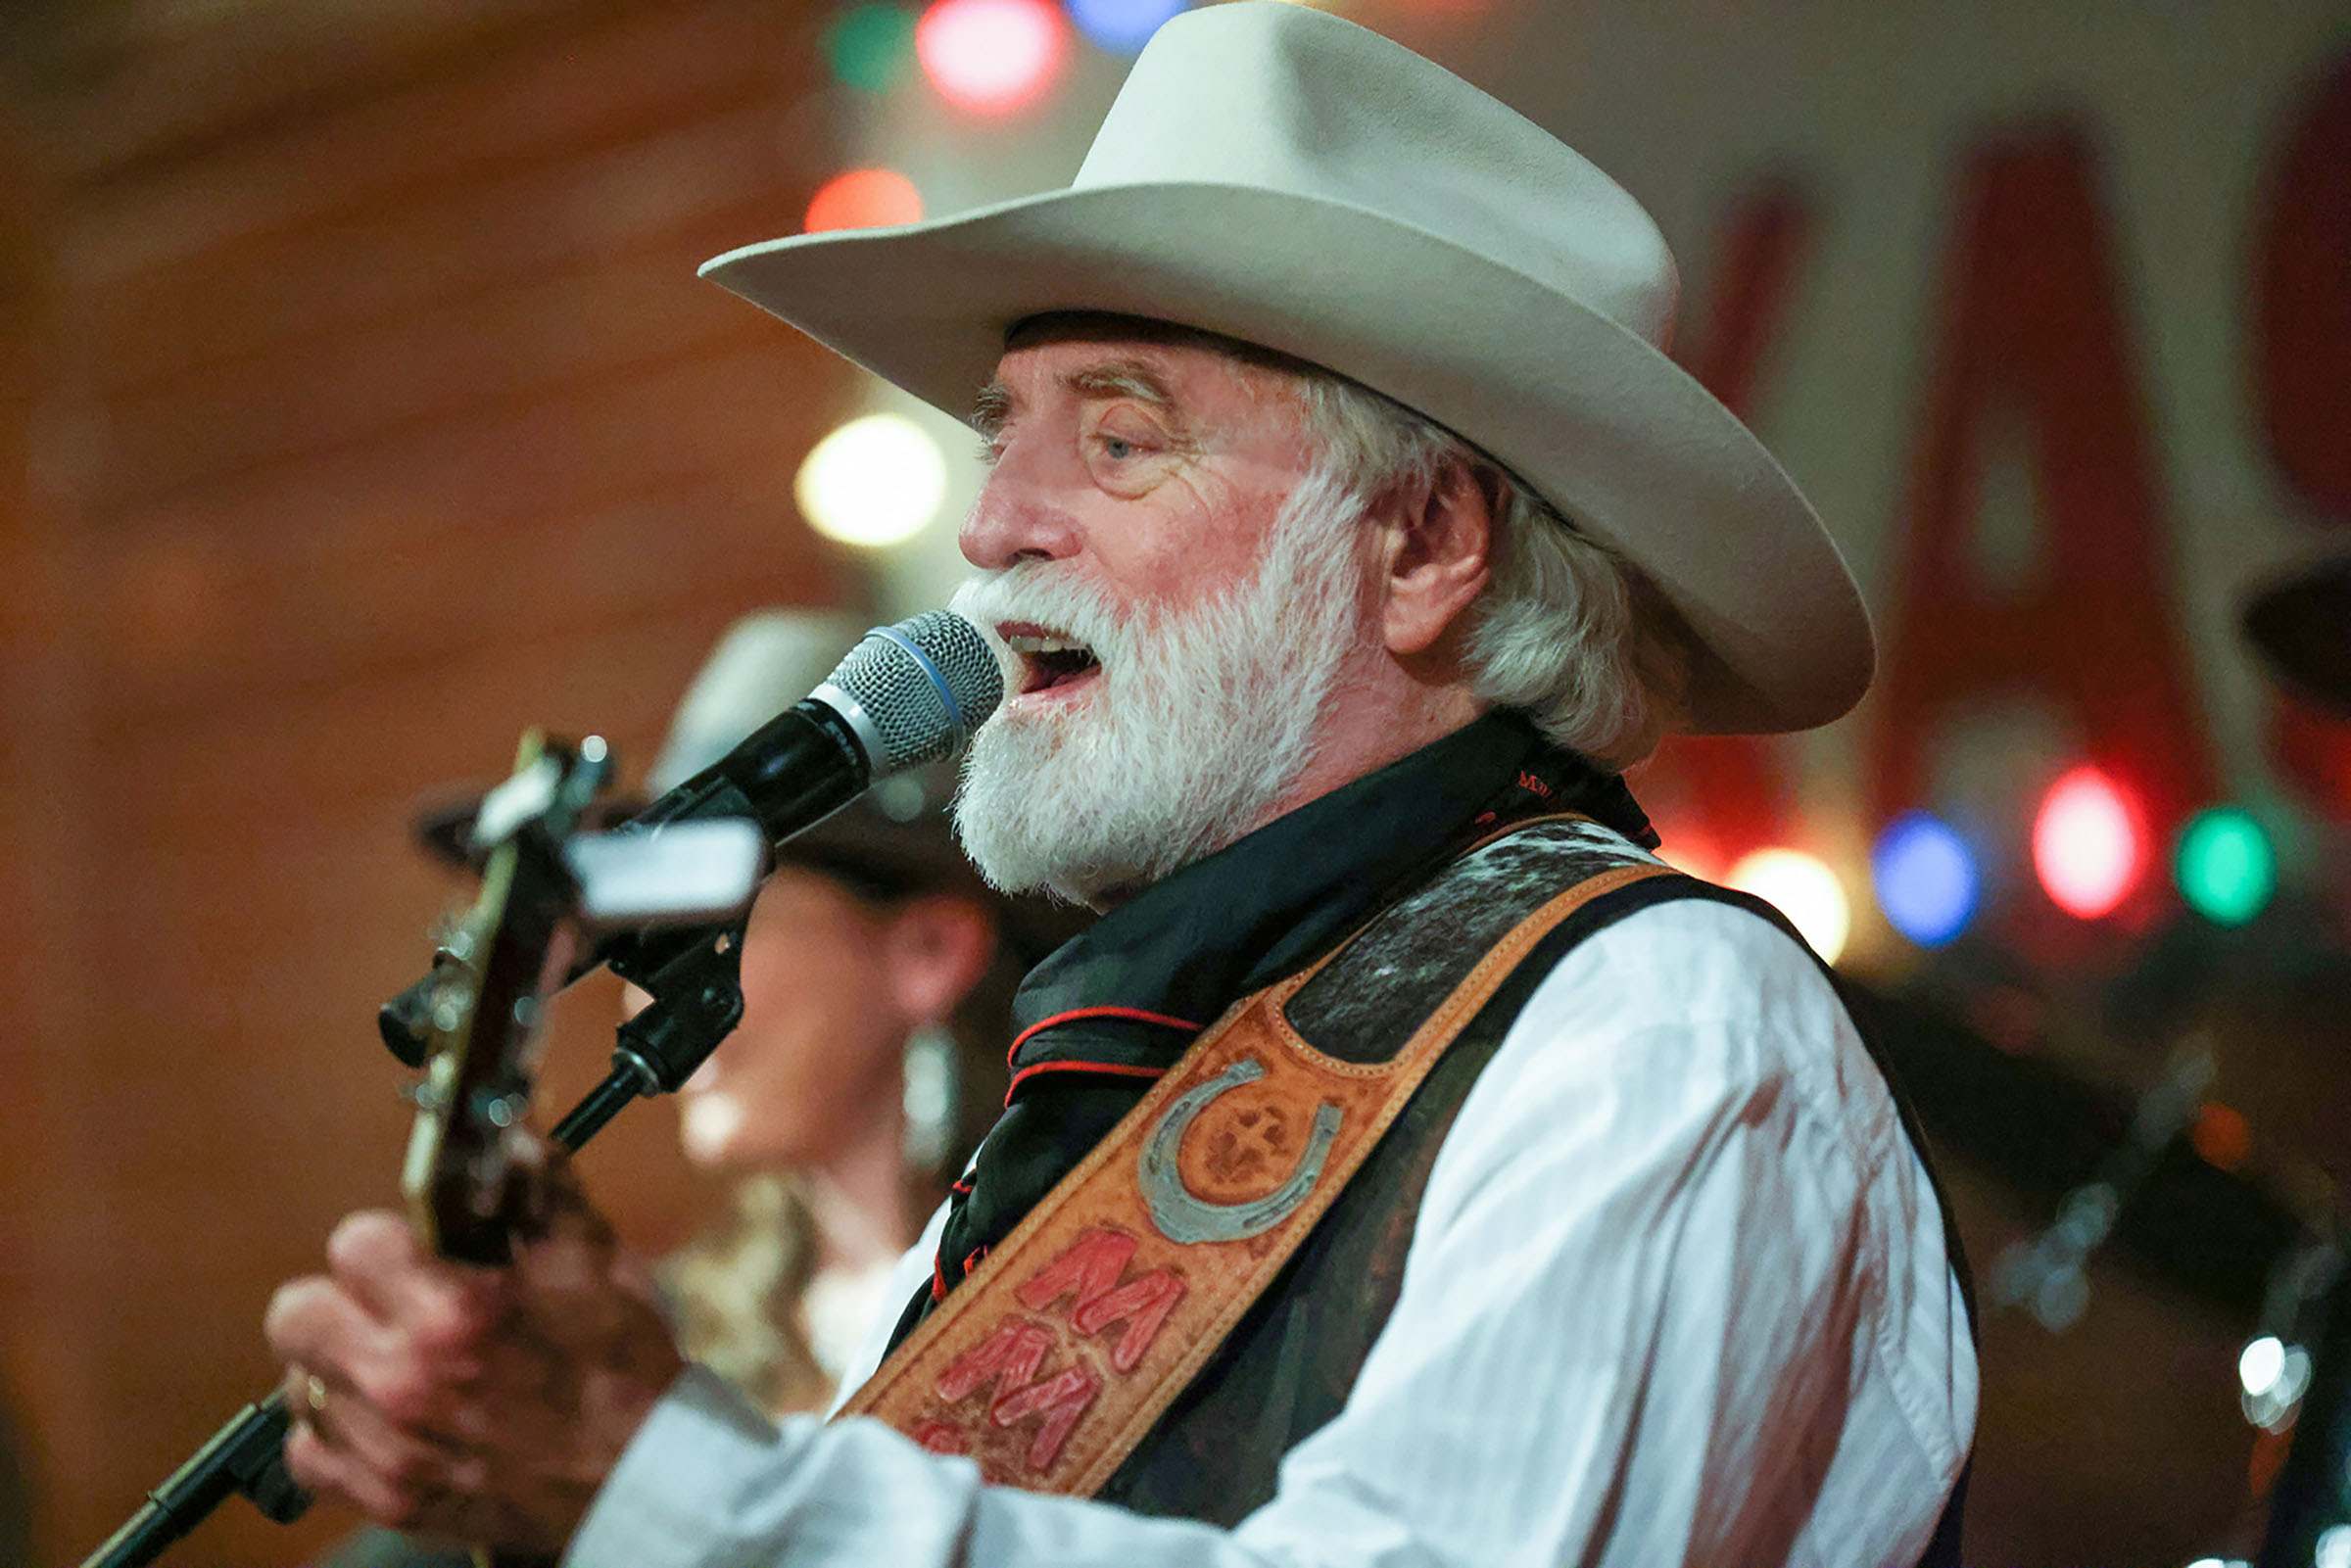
(1046, 596)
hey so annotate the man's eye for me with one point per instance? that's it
(1118, 448)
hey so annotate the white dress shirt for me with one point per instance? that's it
(1677, 1294)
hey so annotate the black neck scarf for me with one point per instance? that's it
(1111, 1011)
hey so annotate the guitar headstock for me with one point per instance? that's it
(469, 1173)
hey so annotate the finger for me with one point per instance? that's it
(304, 1393)
(368, 1253)
(333, 1469)
(318, 1326)
(316, 1323)
(376, 1257)
(378, 1376)
(343, 1419)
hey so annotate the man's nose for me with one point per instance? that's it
(1016, 519)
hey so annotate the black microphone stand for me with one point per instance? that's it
(695, 980)
(244, 1457)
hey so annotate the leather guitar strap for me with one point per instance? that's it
(1065, 1346)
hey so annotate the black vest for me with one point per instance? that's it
(1288, 1365)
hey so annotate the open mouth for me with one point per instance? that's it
(1050, 659)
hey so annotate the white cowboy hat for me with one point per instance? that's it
(1282, 176)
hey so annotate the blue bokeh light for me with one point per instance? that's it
(1926, 879)
(1121, 26)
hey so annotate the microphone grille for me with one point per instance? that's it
(925, 683)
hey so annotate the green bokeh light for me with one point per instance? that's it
(870, 46)
(2226, 869)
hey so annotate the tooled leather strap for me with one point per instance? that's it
(1062, 1350)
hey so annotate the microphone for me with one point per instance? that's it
(906, 695)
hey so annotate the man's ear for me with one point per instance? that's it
(1434, 554)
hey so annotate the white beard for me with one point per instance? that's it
(1198, 722)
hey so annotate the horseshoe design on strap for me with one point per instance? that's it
(1184, 1218)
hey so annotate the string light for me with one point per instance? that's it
(1925, 876)
(2271, 1376)
(990, 56)
(2226, 869)
(875, 481)
(869, 46)
(2221, 1135)
(864, 198)
(2088, 848)
(1804, 888)
(1123, 26)
(2259, 1363)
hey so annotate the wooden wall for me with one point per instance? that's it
(359, 407)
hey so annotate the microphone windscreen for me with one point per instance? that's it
(925, 683)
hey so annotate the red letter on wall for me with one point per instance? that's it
(2033, 330)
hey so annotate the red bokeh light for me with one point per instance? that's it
(2221, 1135)
(991, 56)
(2090, 843)
(864, 198)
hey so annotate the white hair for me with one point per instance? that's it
(1561, 632)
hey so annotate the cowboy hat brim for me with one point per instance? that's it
(1608, 430)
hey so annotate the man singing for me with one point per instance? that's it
(1407, 1168)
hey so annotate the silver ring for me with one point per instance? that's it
(313, 1393)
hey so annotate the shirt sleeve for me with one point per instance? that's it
(1676, 1294)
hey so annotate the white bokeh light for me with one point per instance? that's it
(1804, 888)
(876, 481)
(2259, 1363)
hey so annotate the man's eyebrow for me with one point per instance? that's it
(991, 409)
(1122, 378)
(997, 403)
